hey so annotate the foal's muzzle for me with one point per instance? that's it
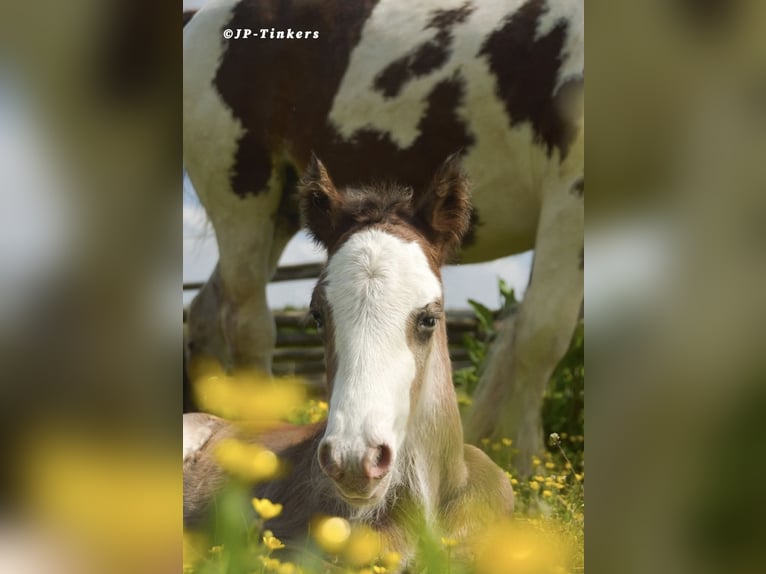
(356, 474)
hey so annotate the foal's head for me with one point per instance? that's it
(379, 309)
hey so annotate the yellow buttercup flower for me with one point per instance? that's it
(266, 509)
(271, 541)
(449, 542)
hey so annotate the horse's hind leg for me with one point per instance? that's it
(509, 398)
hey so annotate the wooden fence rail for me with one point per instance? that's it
(284, 273)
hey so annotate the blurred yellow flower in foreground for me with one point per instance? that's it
(266, 509)
(116, 497)
(249, 462)
(364, 546)
(521, 548)
(392, 559)
(331, 533)
(252, 397)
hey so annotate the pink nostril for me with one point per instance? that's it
(378, 461)
(327, 461)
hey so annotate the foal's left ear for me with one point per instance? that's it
(445, 207)
(320, 202)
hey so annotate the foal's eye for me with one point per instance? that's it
(427, 322)
(317, 316)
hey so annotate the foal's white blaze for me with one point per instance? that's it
(375, 282)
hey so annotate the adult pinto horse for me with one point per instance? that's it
(383, 88)
(391, 453)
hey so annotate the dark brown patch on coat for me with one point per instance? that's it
(427, 57)
(527, 69)
(288, 213)
(373, 156)
(281, 87)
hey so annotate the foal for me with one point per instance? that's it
(391, 453)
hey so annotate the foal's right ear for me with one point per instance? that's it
(445, 207)
(320, 202)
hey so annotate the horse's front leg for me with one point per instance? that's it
(509, 397)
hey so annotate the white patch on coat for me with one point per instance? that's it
(573, 52)
(374, 283)
(211, 132)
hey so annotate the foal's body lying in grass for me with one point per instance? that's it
(391, 453)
